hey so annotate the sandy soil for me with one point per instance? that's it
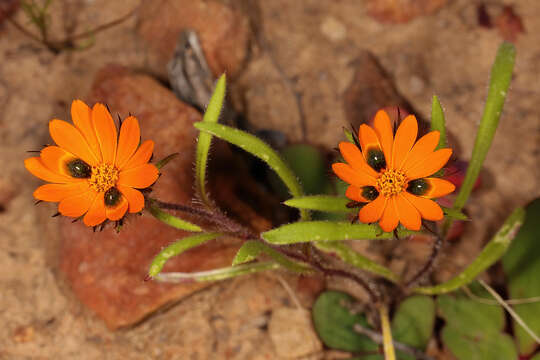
(315, 43)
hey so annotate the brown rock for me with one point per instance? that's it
(223, 31)
(292, 333)
(401, 11)
(371, 89)
(105, 269)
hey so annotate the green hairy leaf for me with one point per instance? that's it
(493, 251)
(355, 259)
(258, 148)
(176, 249)
(325, 231)
(437, 121)
(172, 220)
(203, 142)
(251, 249)
(321, 203)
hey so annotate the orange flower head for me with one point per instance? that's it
(92, 170)
(391, 174)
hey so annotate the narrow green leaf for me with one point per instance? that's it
(521, 265)
(355, 259)
(177, 248)
(258, 148)
(501, 74)
(454, 214)
(348, 135)
(438, 122)
(172, 220)
(325, 231)
(251, 249)
(321, 203)
(161, 163)
(203, 143)
(493, 251)
(216, 274)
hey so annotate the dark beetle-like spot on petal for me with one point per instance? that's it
(418, 187)
(375, 159)
(79, 169)
(112, 197)
(370, 193)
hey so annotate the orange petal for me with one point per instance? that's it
(130, 137)
(77, 205)
(355, 193)
(354, 177)
(405, 138)
(430, 165)
(70, 138)
(117, 212)
(56, 158)
(81, 114)
(105, 132)
(96, 213)
(38, 169)
(428, 209)
(58, 192)
(383, 128)
(141, 156)
(438, 187)
(368, 139)
(373, 210)
(423, 147)
(140, 177)
(134, 197)
(389, 219)
(351, 153)
(408, 214)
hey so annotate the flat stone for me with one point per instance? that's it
(106, 269)
(292, 333)
(223, 31)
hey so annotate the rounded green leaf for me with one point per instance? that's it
(334, 321)
(413, 321)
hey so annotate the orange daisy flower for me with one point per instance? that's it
(93, 171)
(391, 174)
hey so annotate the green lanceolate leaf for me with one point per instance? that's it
(521, 265)
(473, 330)
(493, 251)
(454, 214)
(251, 249)
(161, 163)
(334, 320)
(321, 203)
(172, 220)
(501, 74)
(211, 116)
(258, 148)
(176, 249)
(217, 274)
(355, 259)
(325, 231)
(437, 121)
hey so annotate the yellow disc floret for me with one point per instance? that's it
(104, 176)
(392, 182)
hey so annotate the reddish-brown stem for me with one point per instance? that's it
(426, 270)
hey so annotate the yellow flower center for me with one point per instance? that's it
(104, 177)
(392, 182)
